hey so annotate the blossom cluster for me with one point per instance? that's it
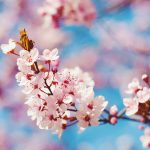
(138, 101)
(55, 99)
(58, 98)
(68, 11)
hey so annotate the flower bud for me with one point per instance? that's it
(113, 120)
(113, 110)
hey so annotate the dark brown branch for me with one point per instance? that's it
(49, 88)
(37, 68)
(72, 110)
(130, 119)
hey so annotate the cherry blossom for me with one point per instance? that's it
(23, 67)
(131, 105)
(145, 139)
(51, 11)
(56, 98)
(143, 95)
(29, 57)
(88, 114)
(50, 55)
(133, 87)
(22, 78)
(139, 97)
(7, 48)
(71, 12)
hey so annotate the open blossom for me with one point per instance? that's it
(23, 78)
(139, 101)
(7, 48)
(131, 105)
(145, 139)
(29, 57)
(23, 67)
(133, 87)
(143, 95)
(51, 55)
(71, 12)
(88, 114)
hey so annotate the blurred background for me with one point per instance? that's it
(114, 49)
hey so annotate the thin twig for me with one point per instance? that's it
(129, 119)
(51, 93)
(37, 68)
(121, 113)
(72, 110)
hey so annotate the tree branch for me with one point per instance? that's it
(49, 88)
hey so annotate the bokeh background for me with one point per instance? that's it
(114, 49)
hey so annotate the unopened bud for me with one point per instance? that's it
(113, 110)
(113, 120)
(54, 70)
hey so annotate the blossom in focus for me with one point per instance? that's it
(145, 139)
(88, 114)
(56, 98)
(50, 55)
(29, 57)
(7, 48)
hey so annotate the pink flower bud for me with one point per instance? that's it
(54, 70)
(113, 120)
(113, 110)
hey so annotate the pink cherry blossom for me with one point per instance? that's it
(51, 55)
(71, 12)
(143, 95)
(22, 78)
(7, 48)
(133, 87)
(145, 139)
(35, 106)
(23, 67)
(55, 98)
(131, 105)
(29, 57)
(76, 12)
(51, 12)
(88, 114)
(139, 96)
